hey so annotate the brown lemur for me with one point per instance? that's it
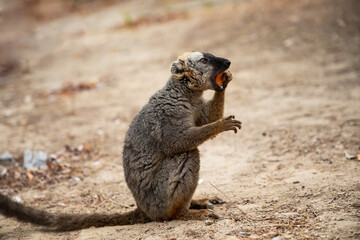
(160, 156)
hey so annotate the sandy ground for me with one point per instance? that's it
(296, 88)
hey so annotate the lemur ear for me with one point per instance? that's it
(177, 67)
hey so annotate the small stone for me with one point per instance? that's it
(117, 122)
(3, 171)
(290, 214)
(34, 159)
(75, 158)
(28, 99)
(288, 42)
(100, 132)
(209, 222)
(80, 148)
(8, 113)
(17, 199)
(273, 234)
(77, 179)
(39, 196)
(276, 238)
(6, 159)
(341, 22)
(6, 156)
(253, 236)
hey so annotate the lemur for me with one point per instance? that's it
(160, 155)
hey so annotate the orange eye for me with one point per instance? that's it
(203, 60)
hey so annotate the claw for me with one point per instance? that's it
(210, 207)
(213, 216)
(216, 200)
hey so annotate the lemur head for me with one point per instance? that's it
(200, 70)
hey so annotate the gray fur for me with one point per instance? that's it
(160, 157)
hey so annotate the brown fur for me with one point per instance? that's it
(160, 157)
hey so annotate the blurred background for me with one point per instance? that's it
(73, 73)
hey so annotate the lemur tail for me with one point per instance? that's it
(67, 222)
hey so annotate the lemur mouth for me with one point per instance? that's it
(221, 65)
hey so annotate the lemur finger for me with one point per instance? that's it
(230, 117)
(230, 128)
(236, 121)
(235, 129)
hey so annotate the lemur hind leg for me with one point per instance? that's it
(205, 203)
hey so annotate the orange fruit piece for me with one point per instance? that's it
(219, 80)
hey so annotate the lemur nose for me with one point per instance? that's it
(227, 63)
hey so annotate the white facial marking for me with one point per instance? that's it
(195, 56)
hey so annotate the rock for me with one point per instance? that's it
(276, 238)
(53, 157)
(209, 222)
(348, 156)
(8, 113)
(6, 156)
(242, 231)
(3, 171)
(6, 159)
(80, 148)
(34, 159)
(288, 42)
(17, 199)
(272, 234)
(290, 214)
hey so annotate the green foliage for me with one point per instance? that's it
(128, 21)
(208, 4)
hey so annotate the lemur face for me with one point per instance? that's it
(200, 69)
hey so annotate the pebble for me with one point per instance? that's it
(17, 199)
(6, 158)
(272, 234)
(8, 113)
(209, 222)
(34, 159)
(290, 214)
(3, 171)
(241, 231)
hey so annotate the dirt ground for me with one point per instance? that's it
(78, 79)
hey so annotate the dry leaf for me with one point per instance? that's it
(30, 176)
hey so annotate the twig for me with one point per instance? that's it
(353, 122)
(221, 192)
(230, 200)
(110, 200)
